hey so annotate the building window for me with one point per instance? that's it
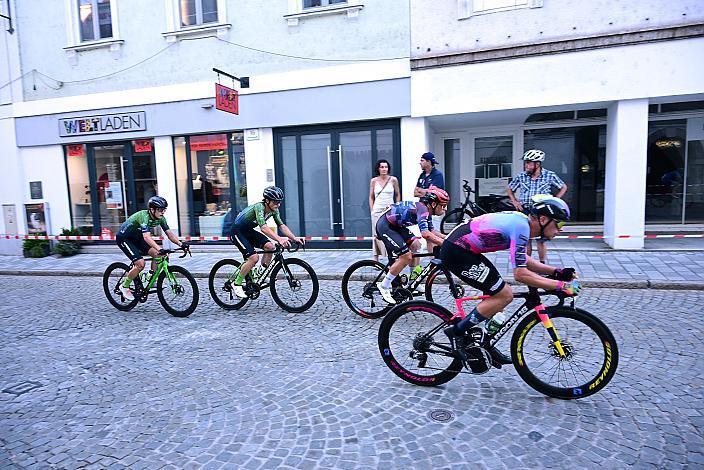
(95, 19)
(468, 8)
(321, 3)
(198, 12)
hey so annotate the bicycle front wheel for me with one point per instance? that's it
(220, 282)
(180, 296)
(452, 219)
(359, 289)
(438, 290)
(294, 285)
(591, 353)
(113, 277)
(413, 345)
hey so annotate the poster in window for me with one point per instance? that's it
(36, 216)
(142, 145)
(113, 195)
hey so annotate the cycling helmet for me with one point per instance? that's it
(157, 202)
(534, 155)
(273, 193)
(435, 194)
(551, 206)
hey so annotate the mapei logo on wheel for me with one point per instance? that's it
(478, 272)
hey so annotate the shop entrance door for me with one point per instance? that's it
(121, 182)
(325, 173)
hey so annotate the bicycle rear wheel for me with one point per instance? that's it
(452, 219)
(180, 296)
(359, 289)
(591, 353)
(220, 281)
(113, 277)
(438, 290)
(294, 285)
(413, 345)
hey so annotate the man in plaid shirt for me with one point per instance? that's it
(534, 180)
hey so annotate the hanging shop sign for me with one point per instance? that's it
(103, 124)
(226, 99)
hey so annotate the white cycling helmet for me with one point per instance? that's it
(534, 155)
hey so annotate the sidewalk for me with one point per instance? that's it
(664, 264)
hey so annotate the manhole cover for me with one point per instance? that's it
(441, 416)
(535, 436)
(24, 387)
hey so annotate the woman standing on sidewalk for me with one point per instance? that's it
(383, 191)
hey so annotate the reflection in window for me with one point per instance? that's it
(321, 3)
(694, 183)
(79, 188)
(198, 12)
(95, 19)
(665, 175)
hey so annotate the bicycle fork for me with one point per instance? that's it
(547, 323)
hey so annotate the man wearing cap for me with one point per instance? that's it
(430, 176)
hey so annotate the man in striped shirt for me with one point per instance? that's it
(534, 180)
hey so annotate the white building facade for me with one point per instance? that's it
(104, 103)
(613, 92)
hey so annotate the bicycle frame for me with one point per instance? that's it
(278, 259)
(532, 302)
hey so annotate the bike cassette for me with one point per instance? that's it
(252, 291)
(401, 295)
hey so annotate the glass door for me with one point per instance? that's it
(114, 196)
(325, 173)
(493, 161)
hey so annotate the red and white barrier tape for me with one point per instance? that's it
(213, 238)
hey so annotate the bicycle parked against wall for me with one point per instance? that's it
(469, 209)
(294, 284)
(175, 287)
(363, 297)
(573, 355)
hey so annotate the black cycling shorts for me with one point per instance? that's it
(397, 240)
(474, 269)
(247, 239)
(134, 248)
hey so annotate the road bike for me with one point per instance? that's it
(469, 209)
(175, 287)
(294, 284)
(560, 350)
(362, 296)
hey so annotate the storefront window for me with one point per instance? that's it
(211, 180)
(577, 155)
(79, 188)
(665, 177)
(694, 189)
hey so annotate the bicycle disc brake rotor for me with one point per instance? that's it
(252, 290)
(566, 346)
(401, 295)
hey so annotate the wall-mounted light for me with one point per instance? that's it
(668, 143)
(207, 106)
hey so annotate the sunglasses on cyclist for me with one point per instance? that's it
(559, 223)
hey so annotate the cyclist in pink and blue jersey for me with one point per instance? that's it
(462, 254)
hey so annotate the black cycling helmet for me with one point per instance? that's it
(273, 193)
(551, 206)
(157, 202)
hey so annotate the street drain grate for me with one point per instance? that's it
(22, 388)
(441, 416)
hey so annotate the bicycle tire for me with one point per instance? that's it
(437, 291)
(452, 219)
(413, 320)
(117, 271)
(220, 291)
(282, 284)
(528, 365)
(167, 304)
(364, 303)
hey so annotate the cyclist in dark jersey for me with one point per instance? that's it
(462, 255)
(392, 229)
(244, 236)
(135, 239)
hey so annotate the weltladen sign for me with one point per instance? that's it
(103, 124)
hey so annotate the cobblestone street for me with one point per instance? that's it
(86, 386)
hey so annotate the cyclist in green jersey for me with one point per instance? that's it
(135, 239)
(244, 236)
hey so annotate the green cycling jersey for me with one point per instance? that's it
(254, 216)
(139, 223)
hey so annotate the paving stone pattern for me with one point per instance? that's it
(262, 388)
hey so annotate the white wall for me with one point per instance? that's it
(46, 164)
(415, 141)
(605, 75)
(626, 167)
(259, 157)
(165, 174)
(439, 29)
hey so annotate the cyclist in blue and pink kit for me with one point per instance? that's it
(462, 255)
(392, 229)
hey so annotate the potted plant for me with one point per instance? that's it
(36, 248)
(68, 247)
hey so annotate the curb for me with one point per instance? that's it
(602, 283)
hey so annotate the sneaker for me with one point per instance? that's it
(127, 293)
(385, 293)
(239, 291)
